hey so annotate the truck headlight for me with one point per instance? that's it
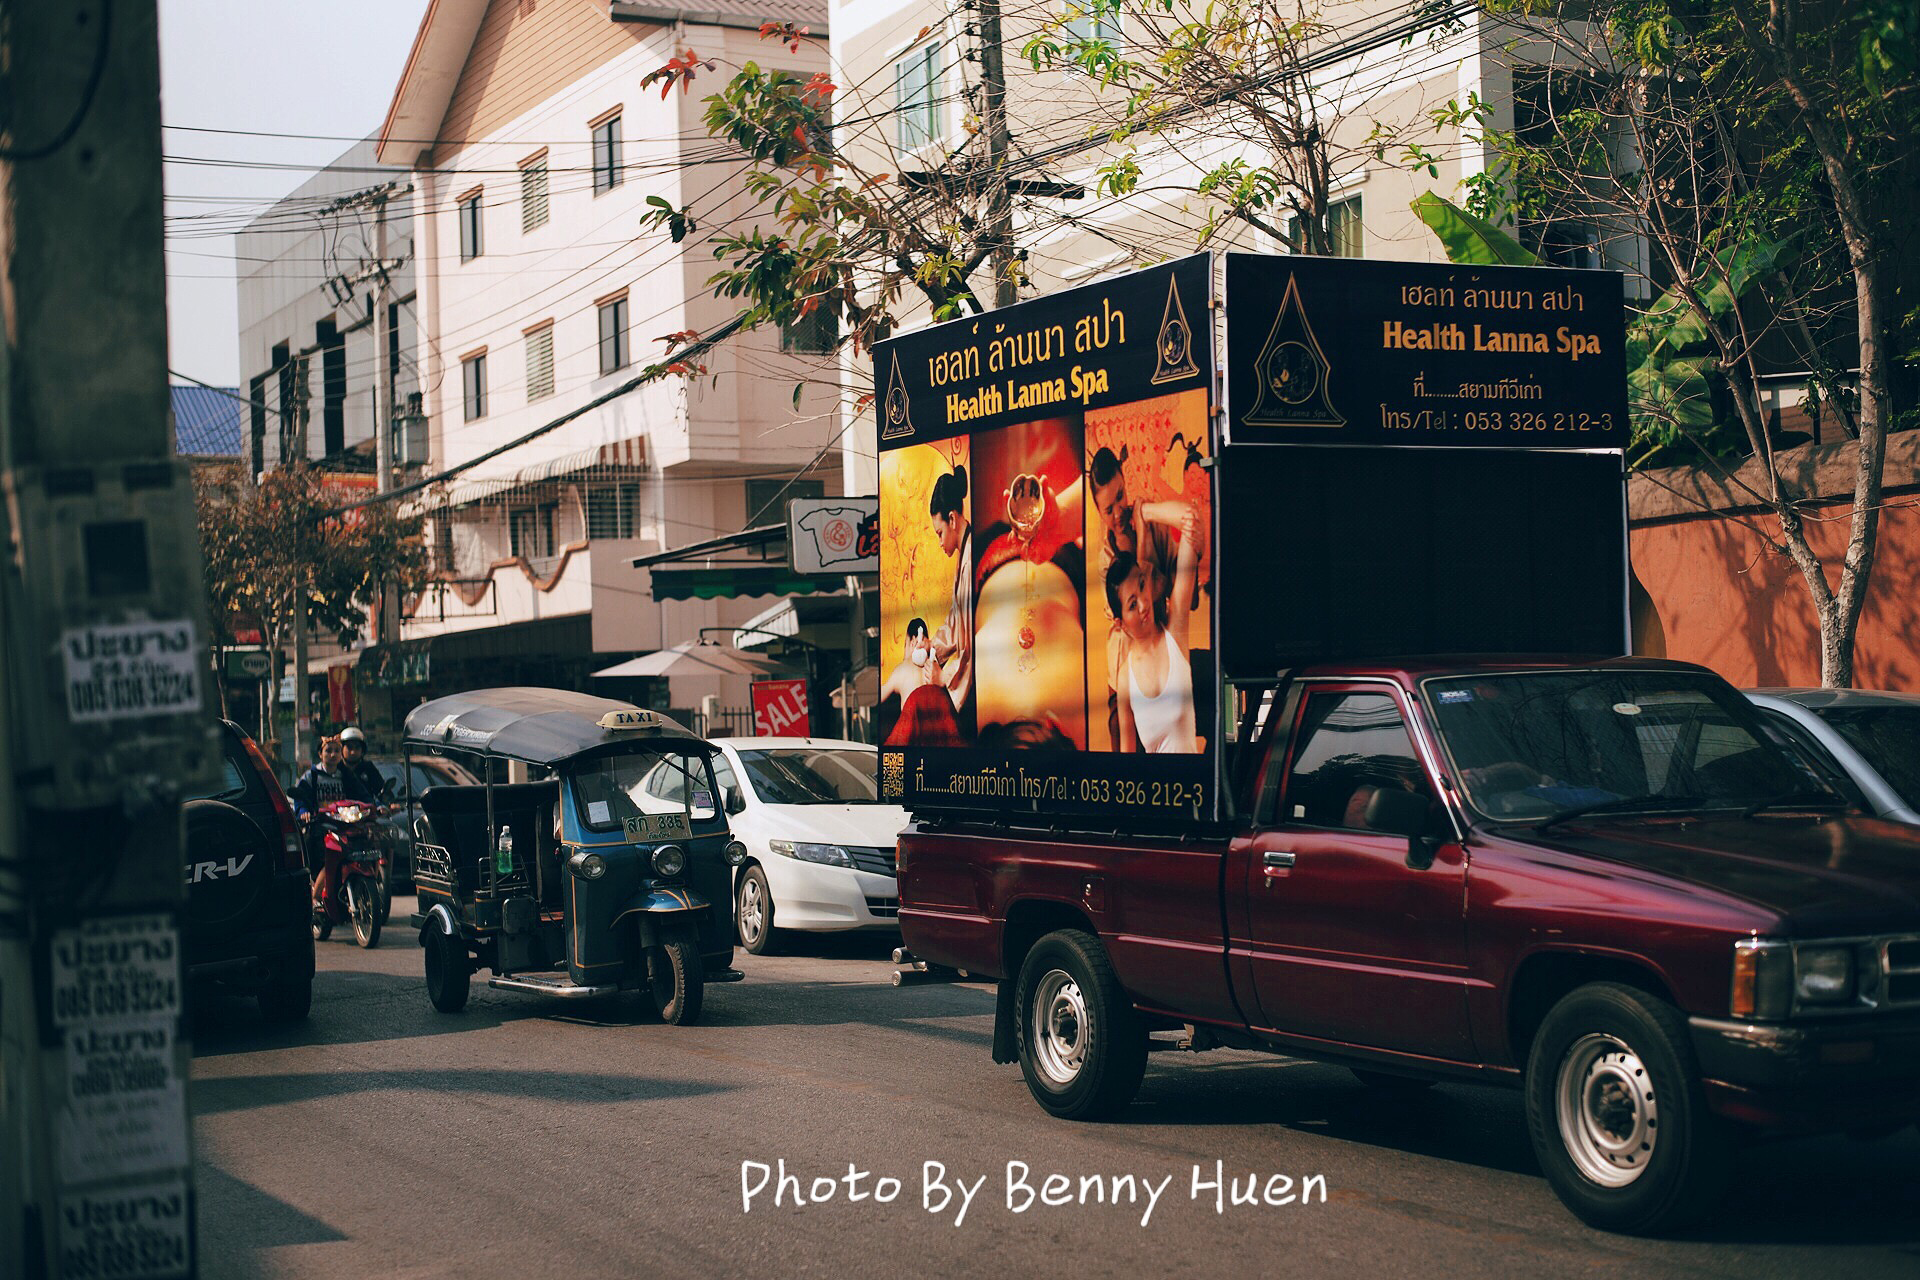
(831, 855)
(669, 860)
(1823, 975)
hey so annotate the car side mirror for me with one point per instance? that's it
(732, 800)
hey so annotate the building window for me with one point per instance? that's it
(613, 510)
(613, 334)
(916, 84)
(540, 362)
(812, 334)
(531, 531)
(333, 387)
(606, 155)
(1094, 26)
(470, 227)
(473, 378)
(533, 193)
(1344, 229)
(767, 499)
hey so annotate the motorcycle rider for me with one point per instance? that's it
(327, 780)
(353, 746)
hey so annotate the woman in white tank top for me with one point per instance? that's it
(1155, 675)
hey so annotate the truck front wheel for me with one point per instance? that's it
(1082, 1047)
(1615, 1109)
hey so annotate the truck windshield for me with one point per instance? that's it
(1538, 744)
(1889, 737)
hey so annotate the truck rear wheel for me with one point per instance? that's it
(1616, 1112)
(1082, 1047)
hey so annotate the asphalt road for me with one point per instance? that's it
(526, 1138)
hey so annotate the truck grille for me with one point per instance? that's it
(1902, 970)
(878, 861)
(885, 908)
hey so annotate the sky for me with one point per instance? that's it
(261, 69)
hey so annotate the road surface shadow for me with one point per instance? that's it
(1828, 1190)
(349, 1007)
(220, 1094)
(268, 1221)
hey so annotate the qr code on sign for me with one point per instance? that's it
(893, 774)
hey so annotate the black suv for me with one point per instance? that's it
(249, 918)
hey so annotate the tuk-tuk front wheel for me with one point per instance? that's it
(449, 974)
(676, 977)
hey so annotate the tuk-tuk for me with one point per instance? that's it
(595, 869)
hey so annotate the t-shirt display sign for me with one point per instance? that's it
(834, 535)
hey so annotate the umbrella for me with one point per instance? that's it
(693, 658)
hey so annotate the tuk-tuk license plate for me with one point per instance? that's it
(658, 826)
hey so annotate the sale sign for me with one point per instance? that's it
(780, 708)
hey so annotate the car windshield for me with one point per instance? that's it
(1543, 744)
(1889, 738)
(812, 775)
(610, 790)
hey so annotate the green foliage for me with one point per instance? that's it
(1468, 238)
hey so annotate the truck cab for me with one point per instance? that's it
(1595, 880)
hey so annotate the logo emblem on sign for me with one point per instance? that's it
(897, 423)
(1291, 373)
(1173, 350)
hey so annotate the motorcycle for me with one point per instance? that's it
(350, 843)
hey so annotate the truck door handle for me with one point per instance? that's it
(1277, 860)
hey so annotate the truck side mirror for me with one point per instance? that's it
(1403, 813)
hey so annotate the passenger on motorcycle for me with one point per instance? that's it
(328, 779)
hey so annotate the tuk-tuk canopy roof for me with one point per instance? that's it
(539, 726)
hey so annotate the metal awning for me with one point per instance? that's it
(785, 619)
(752, 562)
(619, 453)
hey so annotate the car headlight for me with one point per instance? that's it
(669, 860)
(831, 855)
(735, 853)
(1823, 975)
(588, 866)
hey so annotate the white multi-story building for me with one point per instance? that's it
(315, 297)
(532, 151)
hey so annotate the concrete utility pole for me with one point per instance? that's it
(103, 661)
(993, 120)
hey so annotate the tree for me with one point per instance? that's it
(282, 544)
(1765, 151)
(863, 227)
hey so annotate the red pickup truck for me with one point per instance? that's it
(1598, 881)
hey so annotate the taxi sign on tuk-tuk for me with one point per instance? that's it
(637, 719)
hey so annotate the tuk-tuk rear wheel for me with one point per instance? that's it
(677, 979)
(449, 975)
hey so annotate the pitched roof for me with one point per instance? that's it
(206, 421)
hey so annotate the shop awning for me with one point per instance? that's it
(752, 562)
(630, 453)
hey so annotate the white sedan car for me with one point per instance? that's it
(820, 846)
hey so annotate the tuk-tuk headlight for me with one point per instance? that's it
(669, 860)
(735, 853)
(588, 866)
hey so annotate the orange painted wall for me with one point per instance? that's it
(1728, 602)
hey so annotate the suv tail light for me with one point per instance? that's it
(292, 857)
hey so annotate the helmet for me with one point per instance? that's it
(352, 734)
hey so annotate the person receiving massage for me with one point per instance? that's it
(927, 702)
(946, 509)
(1153, 676)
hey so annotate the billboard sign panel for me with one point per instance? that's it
(1046, 522)
(1340, 351)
